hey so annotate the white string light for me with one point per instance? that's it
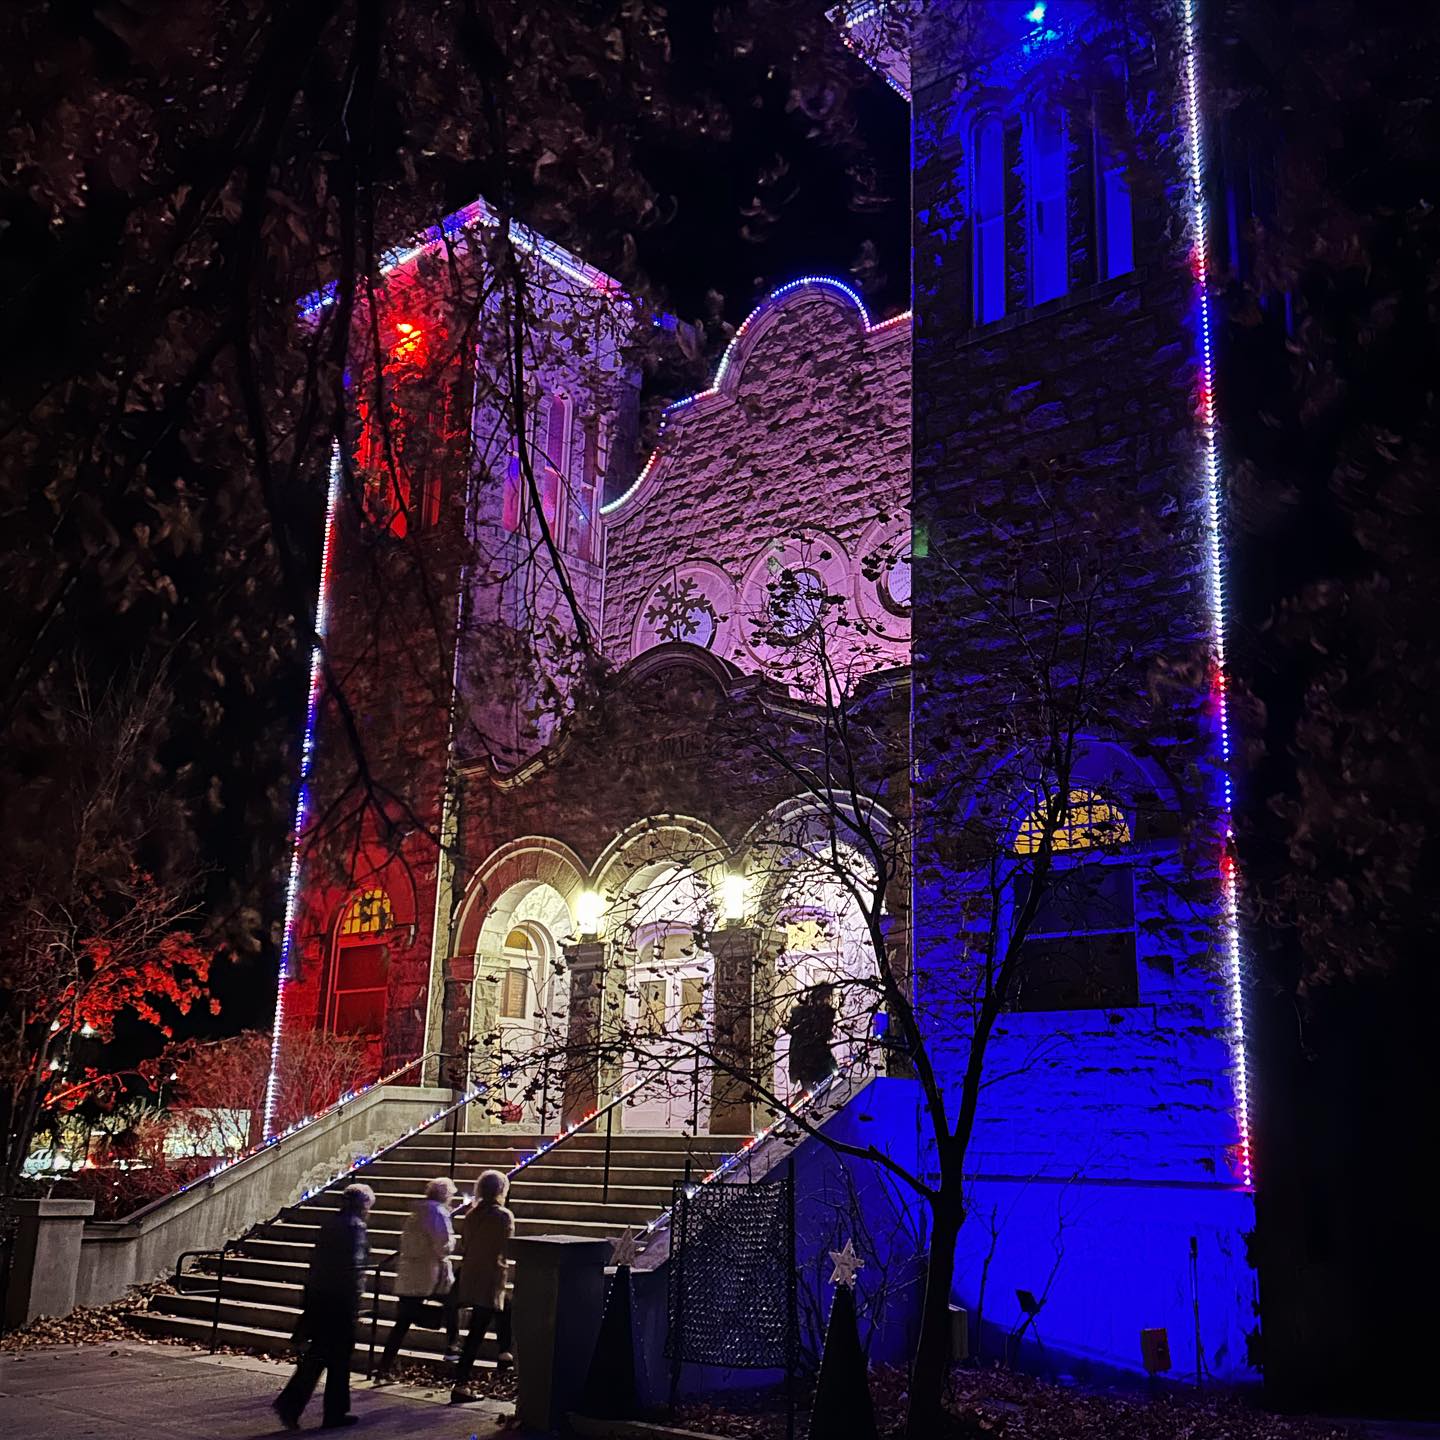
(302, 799)
(1210, 467)
(475, 214)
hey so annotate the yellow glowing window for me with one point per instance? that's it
(1089, 820)
(369, 914)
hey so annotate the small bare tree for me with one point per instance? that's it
(1017, 824)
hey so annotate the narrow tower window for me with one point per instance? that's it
(1045, 198)
(987, 182)
(1112, 198)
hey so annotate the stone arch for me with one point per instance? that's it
(523, 863)
(648, 848)
(530, 885)
(821, 935)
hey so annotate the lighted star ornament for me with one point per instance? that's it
(847, 1265)
(624, 1250)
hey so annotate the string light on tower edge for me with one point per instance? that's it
(1210, 461)
(302, 799)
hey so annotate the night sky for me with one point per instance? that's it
(818, 220)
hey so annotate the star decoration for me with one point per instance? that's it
(847, 1265)
(624, 1250)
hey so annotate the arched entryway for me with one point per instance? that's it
(518, 917)
(669, 1003)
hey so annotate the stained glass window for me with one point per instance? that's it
(369, 913)
(1089, 820)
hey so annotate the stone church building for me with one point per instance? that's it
(570, 787)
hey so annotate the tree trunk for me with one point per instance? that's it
(932, 1354)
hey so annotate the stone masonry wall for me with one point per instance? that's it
(1099, 383)
(807, 428)
(1105, 1150)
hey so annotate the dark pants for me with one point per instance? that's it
(480, 1318)
(410, 1310)
(331, 1342)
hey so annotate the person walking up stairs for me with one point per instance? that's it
(423, 1271)
(489, 1229)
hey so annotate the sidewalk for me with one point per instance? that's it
(130, 1391)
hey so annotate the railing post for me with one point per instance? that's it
(609, 1128)
(219, 1290)
(374, 1319)
(792, 1300)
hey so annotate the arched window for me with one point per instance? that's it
(520, 956)
(552, 458)
(1114, 224)
(590, 493)
(1088, 821)
(511, 504)
(1077, 951)
(401, 452)
(987, 187)
(1045, 173)
(359, 966)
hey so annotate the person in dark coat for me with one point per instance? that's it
(812, 1027)
(489, 1229)
(333, 1289)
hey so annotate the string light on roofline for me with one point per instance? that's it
(828, 282)
(478, 214)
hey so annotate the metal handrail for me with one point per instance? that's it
(220, 1255)
(235, 1245)
(813, 1097)
(376, 1267)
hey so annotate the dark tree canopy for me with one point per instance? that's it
(174, 181)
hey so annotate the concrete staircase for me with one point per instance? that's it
(562, 1193)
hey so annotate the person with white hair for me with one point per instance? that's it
(489, 1229)
(334, 1286)
(422, 1270)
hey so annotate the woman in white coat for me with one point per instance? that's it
(422, 1268)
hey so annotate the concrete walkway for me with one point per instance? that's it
(129, 1391)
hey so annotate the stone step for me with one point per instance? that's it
(420, 1344)
(287, 1275)
(438, 1140)
(261, 1290)
(411, 1180)
(561, 1192)
(395, 1198)
(425, 1167)
(298, 1243)
(535, 1207)
(242, 1313)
